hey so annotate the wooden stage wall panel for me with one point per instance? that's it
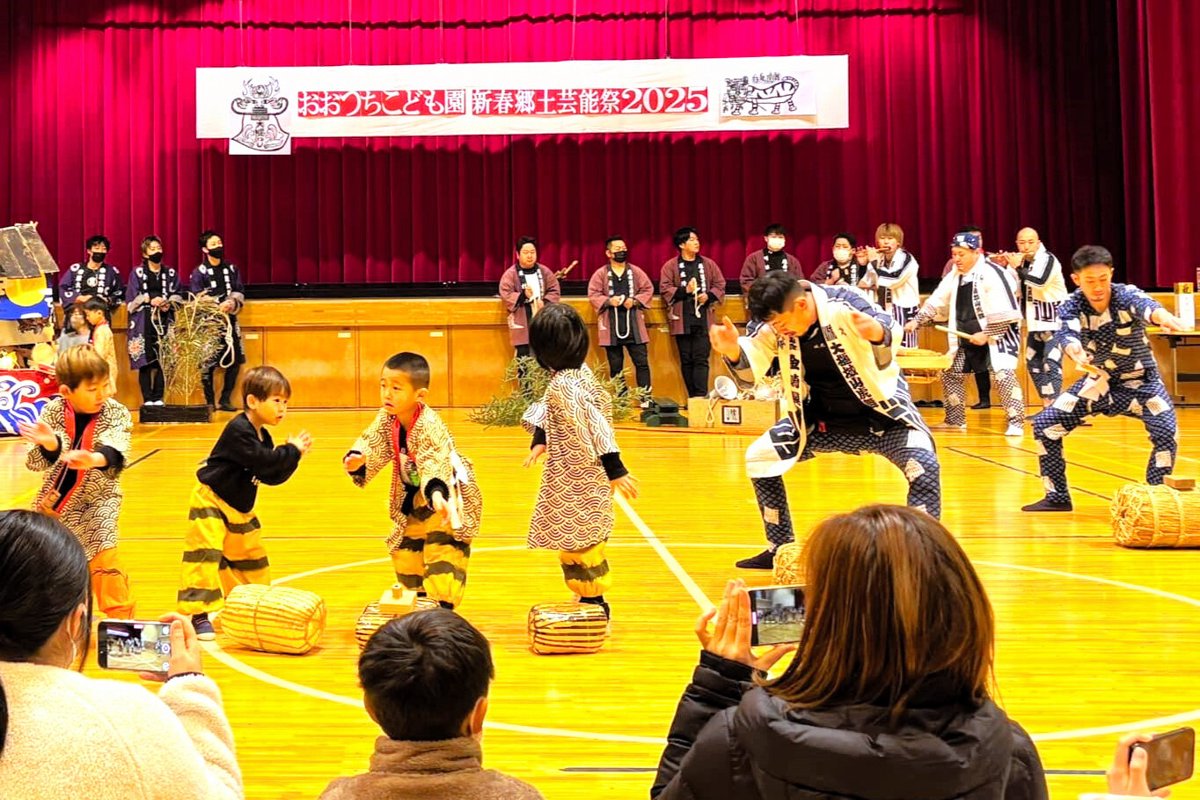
(332, 350)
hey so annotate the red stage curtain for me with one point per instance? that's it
(1161, 120)
(994, 113)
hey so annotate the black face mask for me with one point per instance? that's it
(621, 256)
(99, 257)
(155, 257)
(217, 252)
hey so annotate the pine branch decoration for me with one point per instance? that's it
(190, 344)
(529, 381)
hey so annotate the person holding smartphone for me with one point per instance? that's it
(63, 734)
(889, 693)
(1144, 764)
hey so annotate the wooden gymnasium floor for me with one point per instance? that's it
(1093, 640)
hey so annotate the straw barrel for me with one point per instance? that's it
(789, 564)
(1155, 516)
(273, 619)
(372, 619)
(566, 628)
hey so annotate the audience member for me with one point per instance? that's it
(425, 682)
(888, 694)
(65, 735)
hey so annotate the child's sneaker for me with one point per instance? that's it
(204, 628)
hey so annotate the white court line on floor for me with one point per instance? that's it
(1158, 723)
(672, 564)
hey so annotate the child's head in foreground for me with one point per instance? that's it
(425, 677)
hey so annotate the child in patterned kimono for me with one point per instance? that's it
(572, 427)
(81, 442)
(1103, 325)
(435, 504)
(96, 311)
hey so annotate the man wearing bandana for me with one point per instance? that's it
(979, 306)
(843, 393)
(220, 280)
(94, 277)
(620, 292)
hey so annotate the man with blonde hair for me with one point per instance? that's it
(893, 270)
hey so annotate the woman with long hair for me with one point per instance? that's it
(888, 694)
(64, 735)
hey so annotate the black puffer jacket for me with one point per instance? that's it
(733, 741)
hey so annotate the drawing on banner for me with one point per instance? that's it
(752, 94)
(260, 107)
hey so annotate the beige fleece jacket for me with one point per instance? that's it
(444, 770)
(72, 736)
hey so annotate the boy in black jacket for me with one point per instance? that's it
(224, 547)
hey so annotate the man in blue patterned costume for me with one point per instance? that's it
(1103, 327)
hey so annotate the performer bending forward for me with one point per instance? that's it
(843, 393)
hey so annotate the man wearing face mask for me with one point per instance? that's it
(620, 292)
(151, 299)
(769, 259)
(94, 277)
(219, 279)
(847, 268)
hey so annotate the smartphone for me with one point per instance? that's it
(1169, 757)
(137, 645)
(776, 614)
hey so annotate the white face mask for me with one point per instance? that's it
(775, 243)
(841, 255)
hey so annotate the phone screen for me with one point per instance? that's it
(1169, 757)
(134, 645)
(777, 614)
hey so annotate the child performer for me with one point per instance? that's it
(572, 427)
(436, 504)
(82, 441)
(1104, 328)
(96, 311)
(224, 547)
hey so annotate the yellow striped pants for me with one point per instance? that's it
(223, 549)
(586, 571)
(428, 558)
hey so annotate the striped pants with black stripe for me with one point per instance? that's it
(223, 549)
(428, 558)
(586, 571)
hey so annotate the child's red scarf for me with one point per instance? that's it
(54, 499)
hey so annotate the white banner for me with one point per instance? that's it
(260, 110)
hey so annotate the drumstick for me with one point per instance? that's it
(959, 334)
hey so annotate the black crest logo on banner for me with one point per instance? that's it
(260, 107)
